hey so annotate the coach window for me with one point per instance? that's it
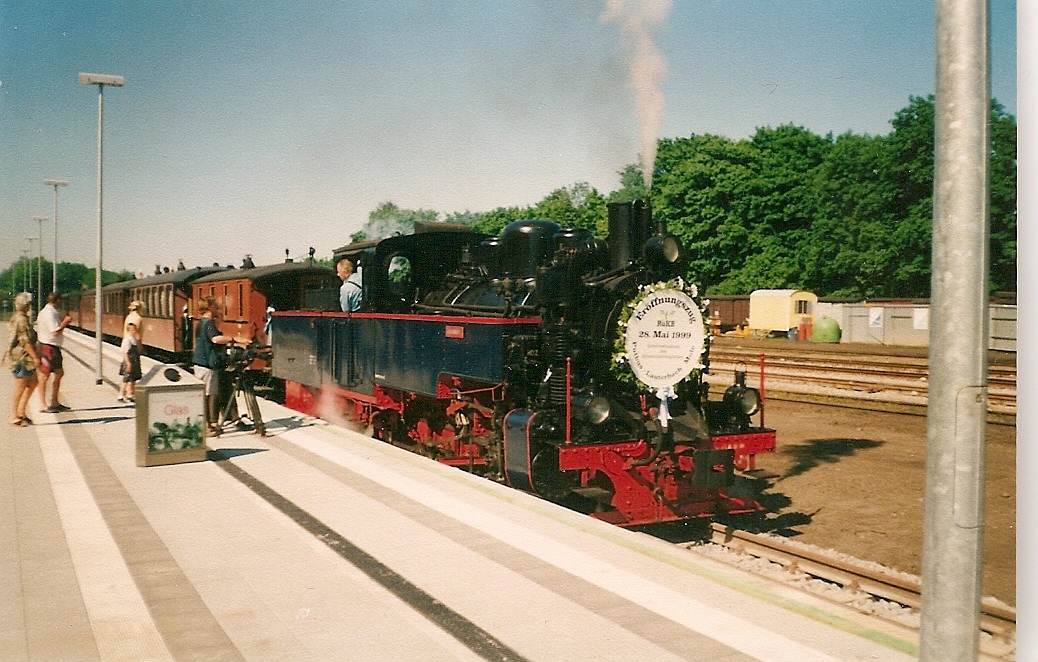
(241, 301)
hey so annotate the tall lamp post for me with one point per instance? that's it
(101, 80)
(25, 270)
(39, 257)
(29, 289)
(55, 183)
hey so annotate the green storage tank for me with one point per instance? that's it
(825, 329)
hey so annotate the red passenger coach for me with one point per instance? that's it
(248, 295)
(165, 297)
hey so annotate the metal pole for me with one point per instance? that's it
(29, 254)
(39, 257)
(39, 261)
(54, 264)
(55, 183)
(957, 407)
(100, 80)
(98, 299)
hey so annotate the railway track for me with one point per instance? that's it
(874, 590)
(901, 380)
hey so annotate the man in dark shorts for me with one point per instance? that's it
(50, 326)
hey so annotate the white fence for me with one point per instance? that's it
(909, 324)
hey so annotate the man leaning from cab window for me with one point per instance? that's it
(351, 290)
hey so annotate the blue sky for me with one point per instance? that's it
(255, 127)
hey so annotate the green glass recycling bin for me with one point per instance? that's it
(170, 417)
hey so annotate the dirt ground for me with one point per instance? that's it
(853, 481)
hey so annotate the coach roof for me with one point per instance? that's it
(263, 273)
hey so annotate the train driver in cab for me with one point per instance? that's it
(351, 290)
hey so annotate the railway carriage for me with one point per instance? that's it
(533, 358)
(165, 296)
(248, 295)
(114, 301)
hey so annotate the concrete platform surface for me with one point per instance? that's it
(317, 543)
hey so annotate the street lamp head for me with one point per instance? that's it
(100, 79)
(55, 182)
(41, 218)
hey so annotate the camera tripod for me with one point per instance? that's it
(241, 381)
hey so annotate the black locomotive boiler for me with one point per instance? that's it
(545, 358)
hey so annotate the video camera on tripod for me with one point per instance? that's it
(240, 357)
(237, 360)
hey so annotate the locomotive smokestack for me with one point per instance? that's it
(630, 226)
(639, 21)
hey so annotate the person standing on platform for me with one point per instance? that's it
(130, 367)
(352, 290)
(134, 317)
(50, 325)
(208, 358)
(22, 360)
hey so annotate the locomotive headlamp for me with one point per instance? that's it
(742, 399)
(739, 397)
(663, 250)
(591, 408)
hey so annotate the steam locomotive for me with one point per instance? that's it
(546, 359)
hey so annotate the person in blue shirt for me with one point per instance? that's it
(207, 358)
(351, 291)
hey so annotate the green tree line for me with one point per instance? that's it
(26, 274)
(847, 216)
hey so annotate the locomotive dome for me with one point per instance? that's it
(526, 245)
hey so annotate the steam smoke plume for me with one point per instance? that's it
(638, 20)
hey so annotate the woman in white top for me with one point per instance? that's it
(130, 368)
